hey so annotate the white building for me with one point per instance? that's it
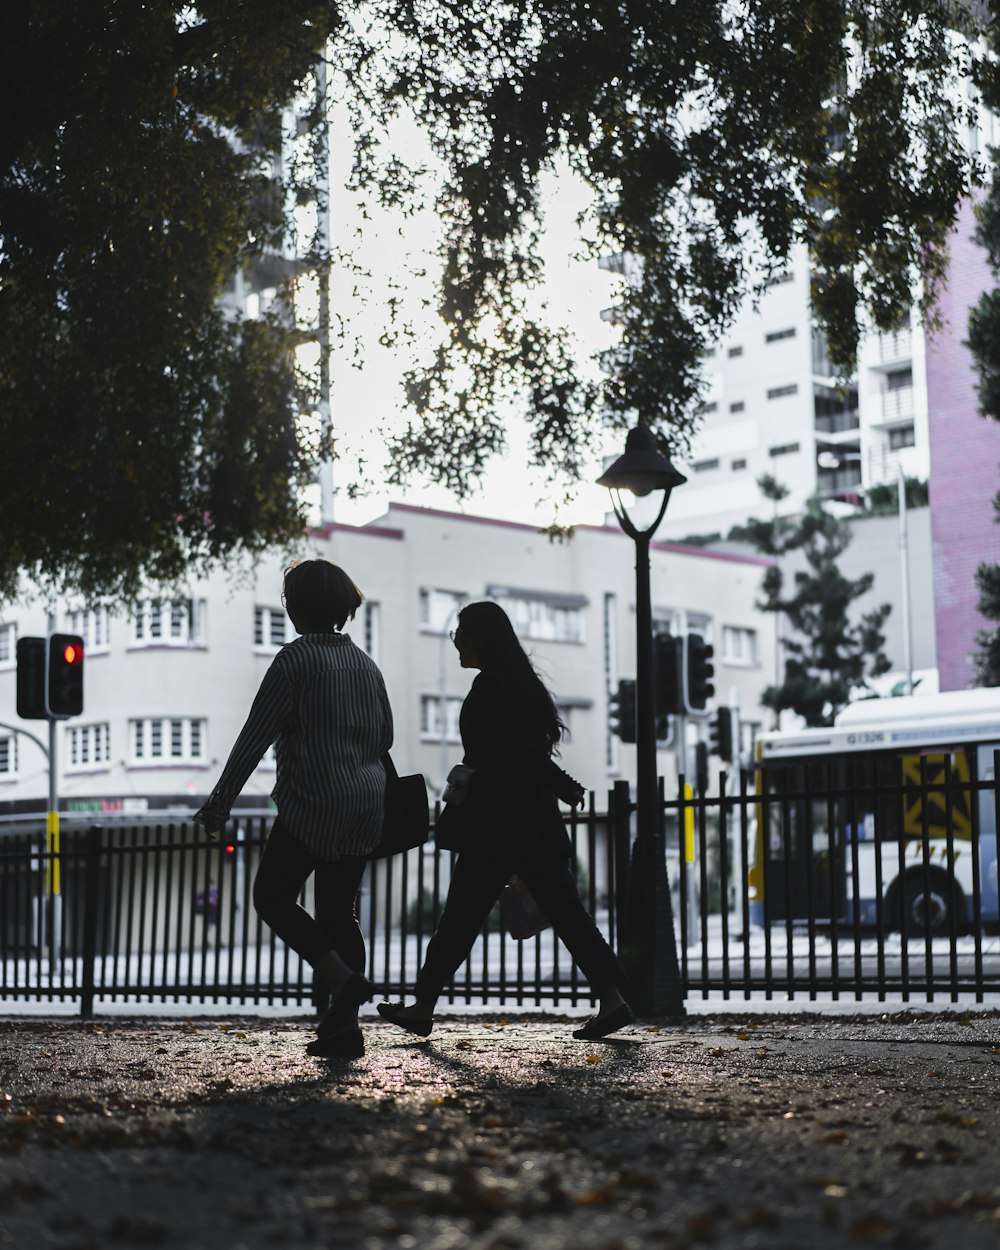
(168, 685)
(772, 407)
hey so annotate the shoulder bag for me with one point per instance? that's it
(407, 822)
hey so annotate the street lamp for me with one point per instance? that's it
(650, 949)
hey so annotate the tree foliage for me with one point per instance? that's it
(145, 430)
(828, 655)
(142, 429)
(883, 499)
(987, 658)
(713, 137)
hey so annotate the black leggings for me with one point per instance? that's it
(476, 882)
(284, 867)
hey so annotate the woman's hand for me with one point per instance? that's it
(210, 822)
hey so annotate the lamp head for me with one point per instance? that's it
(643, 468)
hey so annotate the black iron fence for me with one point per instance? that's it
(818, 885)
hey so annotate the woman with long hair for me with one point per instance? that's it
(509, 823)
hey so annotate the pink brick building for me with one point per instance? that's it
(965, 465)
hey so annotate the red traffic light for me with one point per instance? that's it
(64, 676)
(230, 848)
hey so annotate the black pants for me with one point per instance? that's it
(284, 867)
(476, 883)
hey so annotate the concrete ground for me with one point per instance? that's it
(499, 1133)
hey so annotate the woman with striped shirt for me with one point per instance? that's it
(323, 704)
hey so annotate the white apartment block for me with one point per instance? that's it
(772, 407)
(169, 683)
(892, 389)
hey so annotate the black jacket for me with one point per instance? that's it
(512, 803)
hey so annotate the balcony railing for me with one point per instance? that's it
(895, 348)
(897, 405)
(837, 422)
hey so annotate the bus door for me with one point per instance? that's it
(792, 872)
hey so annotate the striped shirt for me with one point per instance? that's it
(324, 706)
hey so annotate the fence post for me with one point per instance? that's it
(621, 832)
(92, 870)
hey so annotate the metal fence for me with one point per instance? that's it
(803, 890)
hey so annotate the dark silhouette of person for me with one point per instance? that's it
(323, 704)
(509, 823)
(206, 903)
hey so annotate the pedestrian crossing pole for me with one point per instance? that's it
(52, 882)
(52, 896)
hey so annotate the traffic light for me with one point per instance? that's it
(720, 734)
(698, 673)
(31, 679)
(64, 676)
(667, 675)
(622, 711)
(701, 766)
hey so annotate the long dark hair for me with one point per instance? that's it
(498, 650)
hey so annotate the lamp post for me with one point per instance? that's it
(650, 949)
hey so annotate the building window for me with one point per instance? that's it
(543, 618)
(738, 465)
(734, 351)
(903, 436)
(431, 721)
(8, 645)
(371, 629)
(739, 645)
(89, 745)
(168, 623)
(898, 379)
(168, 740)
(8, 757)
(783, 449)
(787, 275)
(779, 392)
(703, 466)
(738, 406)
(711, 406)
(776, 336)
(271, 628)
(92, 626)
(439, 609)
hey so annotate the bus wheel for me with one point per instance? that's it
(930, 905)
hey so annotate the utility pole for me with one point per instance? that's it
(904, 556)
(323, 233)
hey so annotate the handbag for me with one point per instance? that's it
(520, 915)
(458, 784)
(407, 821)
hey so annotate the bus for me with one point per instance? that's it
(887, 819)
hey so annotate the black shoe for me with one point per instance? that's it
(600, 1026)
(356, 990)
(349, 1045)
(393, 1013)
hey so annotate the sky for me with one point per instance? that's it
(366, 402)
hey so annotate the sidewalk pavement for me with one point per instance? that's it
(502, 1133)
